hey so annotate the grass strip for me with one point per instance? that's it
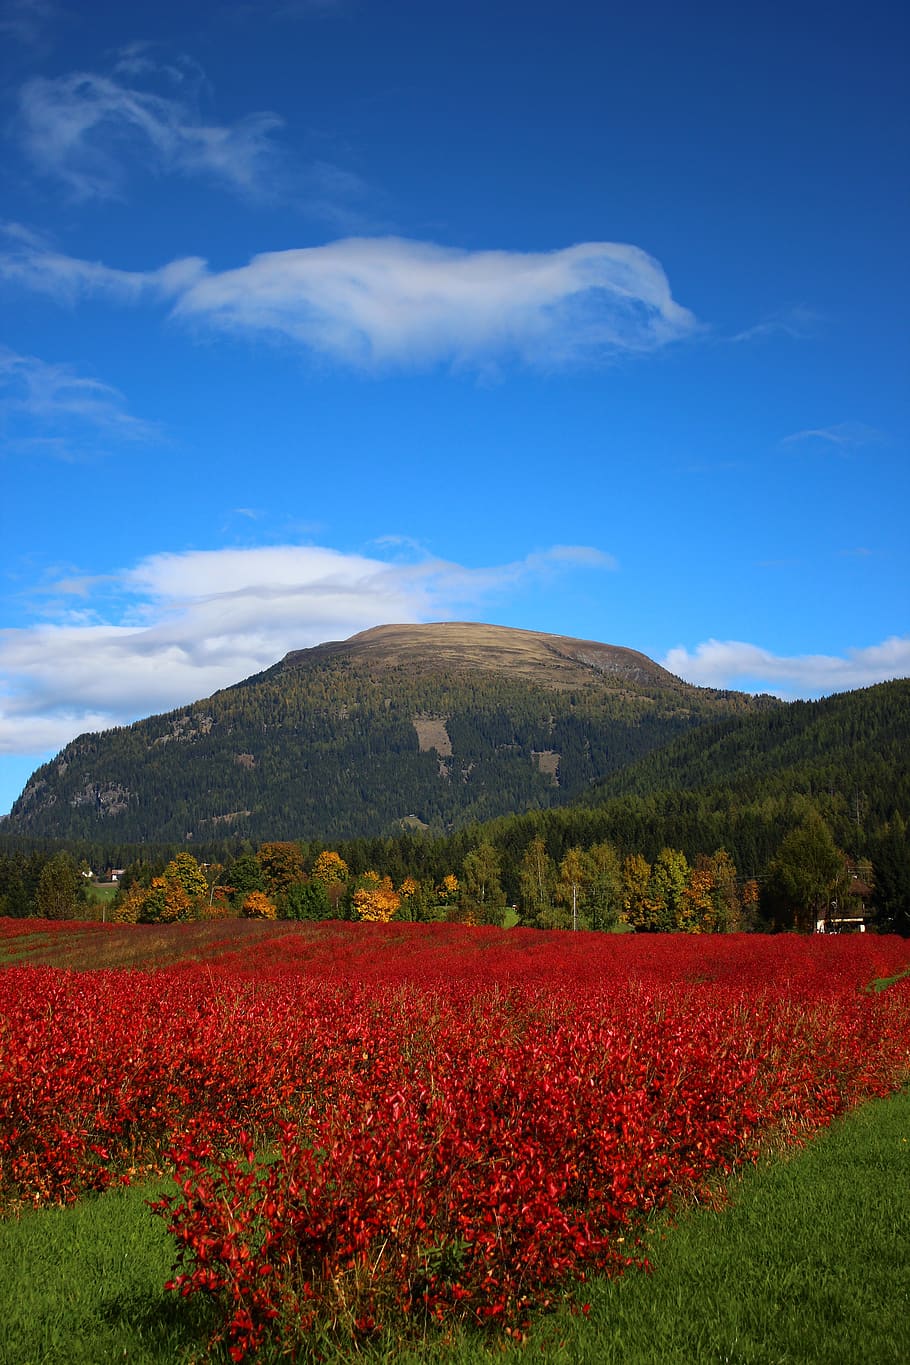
(883, 982)
(809, 1263)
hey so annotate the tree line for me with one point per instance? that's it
(532, 871)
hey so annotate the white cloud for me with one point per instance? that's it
(191, 623)
(86, 129)
(378, 301)
(50, 407)
(387, 301)
(732, 664)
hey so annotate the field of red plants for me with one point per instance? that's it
(377, 1122)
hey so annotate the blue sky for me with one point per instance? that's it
(319, 315)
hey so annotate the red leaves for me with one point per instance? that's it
(425, 1144)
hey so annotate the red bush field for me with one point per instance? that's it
(376, 1121)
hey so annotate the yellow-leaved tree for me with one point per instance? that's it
(330, 868)
(376, 898)
(332, 871)
(258, 906)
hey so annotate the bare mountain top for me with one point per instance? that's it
(554, 661)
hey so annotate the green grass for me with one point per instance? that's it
(882, 983)
(84, 1286)
(807, 1264)
(100, 893)
(19, 947)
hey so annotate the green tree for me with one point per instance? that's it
(536, 880)
(666, 890)
(891, 860)
(804, 872)
(14, 897)
(305, 900)
(245, 875)
(605, 886)
(60, 888)
(481, 886)
(571, 890)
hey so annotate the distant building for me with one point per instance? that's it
(850, 913)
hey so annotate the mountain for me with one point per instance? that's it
(428, 725)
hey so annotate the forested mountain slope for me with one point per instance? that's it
(438, 725)
(852, 749)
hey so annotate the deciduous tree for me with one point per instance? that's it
(305, 900)
(282, 865)
(536, 880)
(330, 868)
(482, 889)
(605, 888)
(804, 871)
(572, 889)
(636, 877)
(376, 898)
(258, 906)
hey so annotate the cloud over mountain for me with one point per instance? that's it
(175, 627)
(733, 663)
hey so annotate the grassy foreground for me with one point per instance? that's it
(810, 1262)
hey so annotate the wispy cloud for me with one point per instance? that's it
(27, 21)
(374, 302)
(93, 131)
(842, 437)
(86, 129)
(68, 280)
(176, 627)
(31, 262)
(50, 408)
(732, 663)
(797, 323)
(281, 10)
